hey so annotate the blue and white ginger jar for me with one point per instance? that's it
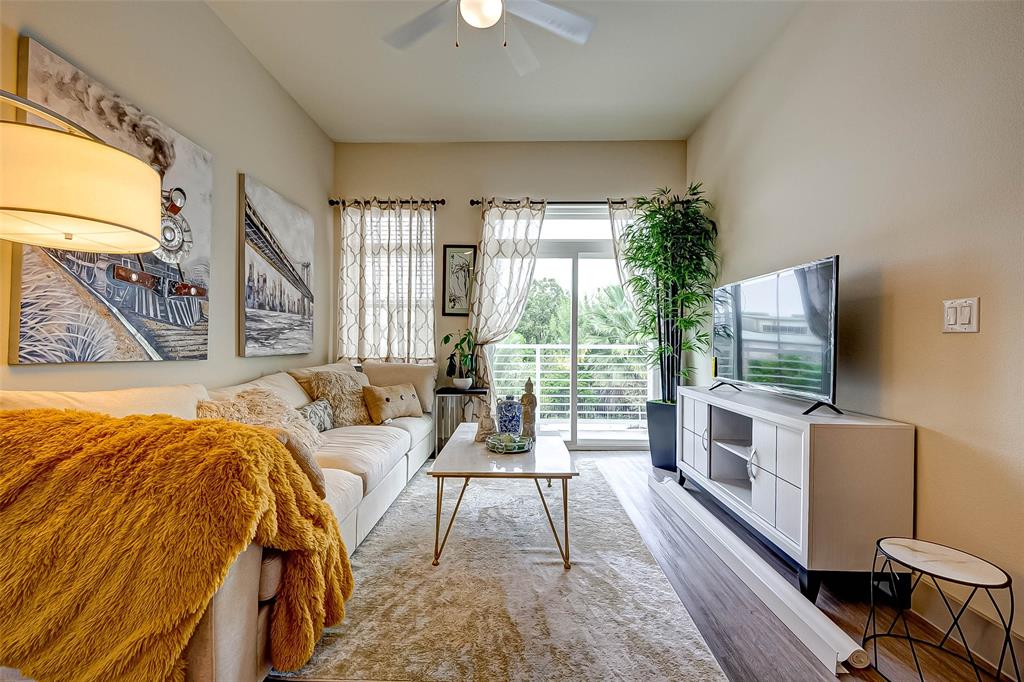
(510, 416)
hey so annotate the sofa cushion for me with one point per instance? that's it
(344, 492)
(302, 375)
(280, 383)
(369, 452)
(177, 401)
(418, 428)
(344, 391)
(423, 377)
(385, 403)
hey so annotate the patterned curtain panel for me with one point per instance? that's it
(621, 215)
(386, 282)
(504, 271)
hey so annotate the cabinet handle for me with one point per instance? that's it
(753, 456)
(751, 471)
(704, 439)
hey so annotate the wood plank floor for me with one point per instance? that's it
(748, 640)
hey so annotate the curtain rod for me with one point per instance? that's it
(331, 201)
(480, 202)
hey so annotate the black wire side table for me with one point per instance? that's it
(449, 405)
(938, 562)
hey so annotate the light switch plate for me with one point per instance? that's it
(960, 315)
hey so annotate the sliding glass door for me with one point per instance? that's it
(573, 340)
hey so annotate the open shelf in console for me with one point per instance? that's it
(731, 445)
(740, 448)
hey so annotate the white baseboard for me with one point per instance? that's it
(822, 637)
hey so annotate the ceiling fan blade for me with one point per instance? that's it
(561, 22)
(519, 52)
(410, 32)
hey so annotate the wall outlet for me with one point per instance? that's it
(960, 315)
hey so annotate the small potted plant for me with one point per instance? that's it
(462, 360)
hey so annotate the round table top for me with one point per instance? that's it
(944, 562)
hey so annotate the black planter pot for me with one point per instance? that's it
(661, 431)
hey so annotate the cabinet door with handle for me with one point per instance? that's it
(687, 413)
(762, 492)
(702, 455)
(700, 416)
(763, 452)
(689, 448)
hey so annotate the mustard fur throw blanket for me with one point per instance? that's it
(115, 534)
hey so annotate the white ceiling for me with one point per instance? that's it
(651, 71)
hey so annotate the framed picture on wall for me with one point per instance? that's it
(457, 280)
(75, 306)
(275, 252)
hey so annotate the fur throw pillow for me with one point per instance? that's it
(263, 407)
(344, 391)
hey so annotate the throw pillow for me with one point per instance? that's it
(344, 391)
(305, 458)
(422, 377)
(384, 403)
(318, 413)
(262, 407)
(304, 374)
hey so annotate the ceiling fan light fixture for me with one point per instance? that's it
(481, 13)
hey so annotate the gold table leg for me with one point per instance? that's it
(564, 553)
(438, 548)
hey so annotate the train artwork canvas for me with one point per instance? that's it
(88, 307)
(276, 251)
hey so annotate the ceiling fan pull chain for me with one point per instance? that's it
(504, 24)
(456, 24)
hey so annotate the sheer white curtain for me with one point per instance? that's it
(621, 215)
(504, 270)
(386, 281)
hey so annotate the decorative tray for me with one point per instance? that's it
(507, 444)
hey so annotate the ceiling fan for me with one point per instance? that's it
(484, 14)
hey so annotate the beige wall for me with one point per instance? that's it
(180, 63)
(557, 171)
(893, 135)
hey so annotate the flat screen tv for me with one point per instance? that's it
(778, 331)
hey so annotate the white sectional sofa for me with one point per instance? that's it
(365, 469)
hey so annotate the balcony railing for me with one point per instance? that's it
(613, 384)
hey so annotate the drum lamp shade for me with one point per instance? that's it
(65, 191)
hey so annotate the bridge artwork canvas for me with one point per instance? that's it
(87, 307)
(276, 250)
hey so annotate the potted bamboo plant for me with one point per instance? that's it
(669, 251)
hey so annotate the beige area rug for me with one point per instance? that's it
(500, 606)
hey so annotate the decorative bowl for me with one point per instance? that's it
(507, 444)
(463, 383)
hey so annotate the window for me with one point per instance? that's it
(386, 282)
(590, 378)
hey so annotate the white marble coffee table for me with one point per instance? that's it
(462, 457)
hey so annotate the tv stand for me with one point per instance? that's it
(822, 403)
(819, 489)
(724, 383)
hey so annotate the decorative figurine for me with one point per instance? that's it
(485, 422)
(529, 401)
(510, 416)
